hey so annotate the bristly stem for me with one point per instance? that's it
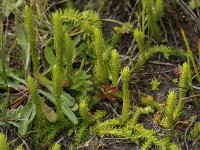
(31, 36)
(59, 39)
(126, 96)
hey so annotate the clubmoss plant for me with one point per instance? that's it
(59, 42)
(139, 111)
(69, 51)
(168, 121)
(165, 50)
(19, 148)
(149, 101)
(183, 87)
(126, 96)
(3, 142)
(139, 37)
(155, 84)
(99, 46)
(82, 133)
(83, 109)
(32, 85)
(56, 146)
(86, 120)
(134, 132)
(154, 13)
(159, 10)
(57, 89)
(115, 66)
(31, 36)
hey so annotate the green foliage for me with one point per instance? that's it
(49, 56)
(69, 51)
(31, 36)
(183, 81)
(173, 110)
(3, 142)
(21, 117)
(56, 146)
(22, 41)
(115, 66)
(19, 148)
(171, 103)
(82, 82)
(126, 97)
(47, 134)
(149, 101)
(165, 50)
(159, 10)
(154, 13)
(27, 117)
(194, 4)
(138, 113)
(81, 134)
(135, 132)
(139, 37)
(35, 97)
(168, 121)
(78, 21)
(127, 27)
(102, 128)
(87, 120)
(83, 109)
(173, 146)
(57, 89)
(155, 84)
(183, 87)
(195, 132)
(9, 6)
(71, 15)
(67, 100)
(59, 42)
(85, 28)
(99, 46)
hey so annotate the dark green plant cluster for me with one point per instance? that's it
(80, 70)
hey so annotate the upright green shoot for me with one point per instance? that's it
(126, 95)
(32, 85)
(83, 109)
(69, 51)
(139, 37)
(59, 42)
(31, 36)
(57, 89)
(183, 87)
(168, 121)
(115, 66)
(99, 46)
(154, 13)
